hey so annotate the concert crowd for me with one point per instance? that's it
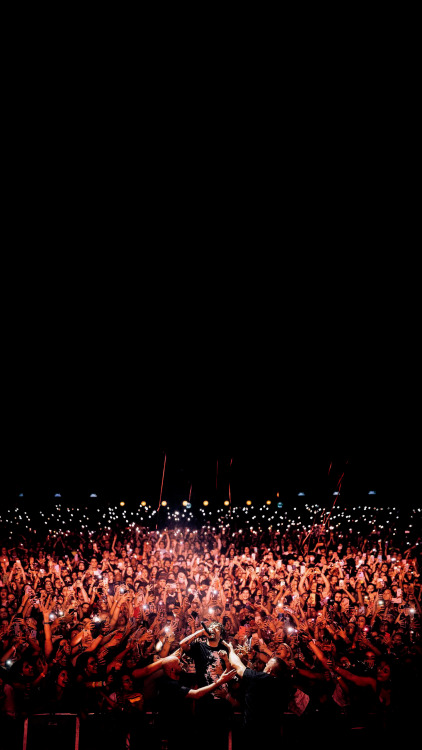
(183, 635)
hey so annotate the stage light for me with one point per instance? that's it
(226, 502)
(301, 494)
(268, 502)
(93, 494)
(122, 503)
(163, 503)
(279, 505)
(143, 503)
(205, 502)
(185, 502)
(248, 502)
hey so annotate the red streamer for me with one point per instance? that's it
(162, 481)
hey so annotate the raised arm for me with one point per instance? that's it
(235, 661)
(189, 638)
(200, 692)
(142, 672)
(356, 679)
(48, 644)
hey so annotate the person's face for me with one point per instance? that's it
(91, 666)
(216, 632)
(361, 622)
(383, 672)
(127, 683)
(370, 659)
(63, 679)
(27, 669)
(3, 613)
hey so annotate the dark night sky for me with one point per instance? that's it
(96, 402)
(85, 447)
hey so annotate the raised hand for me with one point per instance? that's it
(227, 675)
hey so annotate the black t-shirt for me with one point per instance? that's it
(206, 658)
(264, 699)
(172, 701)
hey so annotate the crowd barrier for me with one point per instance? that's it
(67, 731)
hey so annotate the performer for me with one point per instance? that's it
(265, 696)
(175, 709)
(209, 657)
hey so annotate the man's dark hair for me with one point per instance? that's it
(281, 669)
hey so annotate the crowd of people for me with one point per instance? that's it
(190, 632)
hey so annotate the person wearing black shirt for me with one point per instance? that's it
(206, 653)
(265, 697)
(175, 703)
(214, 710)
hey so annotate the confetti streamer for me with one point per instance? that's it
(336, 497)
(162, 482)
(230, 494)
